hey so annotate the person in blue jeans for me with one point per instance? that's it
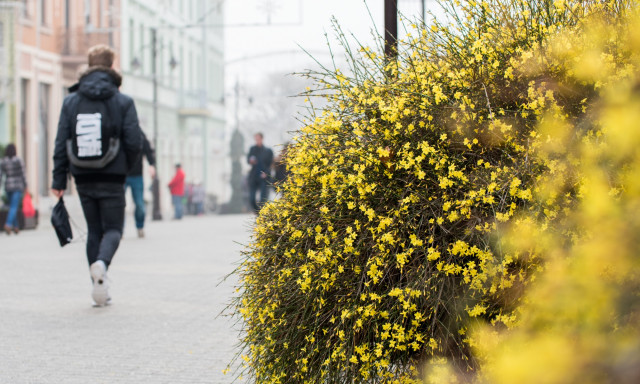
(135, 181)
(12, 169)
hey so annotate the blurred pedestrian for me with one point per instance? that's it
(136, 182)
(98, 141)
(188, 198)
(15, 183)
(198, 197)
(281, 172)
(260, 158)
(176, 187)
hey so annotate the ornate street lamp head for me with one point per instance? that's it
(135, 63)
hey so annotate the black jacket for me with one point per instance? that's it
(147, 152)
(98, 83)
(264, 157)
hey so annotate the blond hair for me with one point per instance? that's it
(101, 55)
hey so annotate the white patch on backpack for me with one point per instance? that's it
(89, 134)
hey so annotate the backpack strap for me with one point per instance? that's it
(114, 148)
(108, 105)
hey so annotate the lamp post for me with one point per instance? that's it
(390, 29)
(155, 184)
(155, 51)
(203, 104)
(135, 63)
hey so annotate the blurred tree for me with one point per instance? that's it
(274, 107)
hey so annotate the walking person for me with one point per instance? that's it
(15, 183)
(260, 158)
(135, 181)
(176, 187)
(280, 171)
(198, 197)
(98, 141)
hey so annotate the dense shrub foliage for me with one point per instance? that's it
(385, 246)
(580, 321)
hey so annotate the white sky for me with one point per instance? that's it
(255, 49)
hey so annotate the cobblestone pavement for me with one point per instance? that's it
(163, 325)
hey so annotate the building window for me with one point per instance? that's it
(192, 64)
(87, 12)
(43, 138)
(43, 12)
(99, 22)
(171, 65)
(132, 41)
(212, 69)
(25, 9)
(182, 65)
(24, 109)
(67, 15)
(142, 51)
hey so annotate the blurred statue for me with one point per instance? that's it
(236, 205)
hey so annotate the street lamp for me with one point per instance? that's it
(155, 184)
(135, 64)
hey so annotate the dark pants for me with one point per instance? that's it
(256, 185)
(103, 205)
(137, 191)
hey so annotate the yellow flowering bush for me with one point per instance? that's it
(580, 321)
(385, 245)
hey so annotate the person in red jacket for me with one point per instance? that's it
(176, 186)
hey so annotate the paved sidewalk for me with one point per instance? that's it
(163, 325)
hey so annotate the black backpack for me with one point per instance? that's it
(95, 137)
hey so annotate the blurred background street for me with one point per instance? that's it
(168, 290)
(206, 76)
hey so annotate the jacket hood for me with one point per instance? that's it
(99, 83)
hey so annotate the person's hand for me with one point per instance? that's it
(152, 171)
(263, 175)
(57, 192)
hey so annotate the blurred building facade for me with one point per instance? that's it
(9, 15)
(189, 70)
(44, 45)
(43, 50)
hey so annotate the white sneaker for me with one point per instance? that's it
(100, 293)
(140, 233)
